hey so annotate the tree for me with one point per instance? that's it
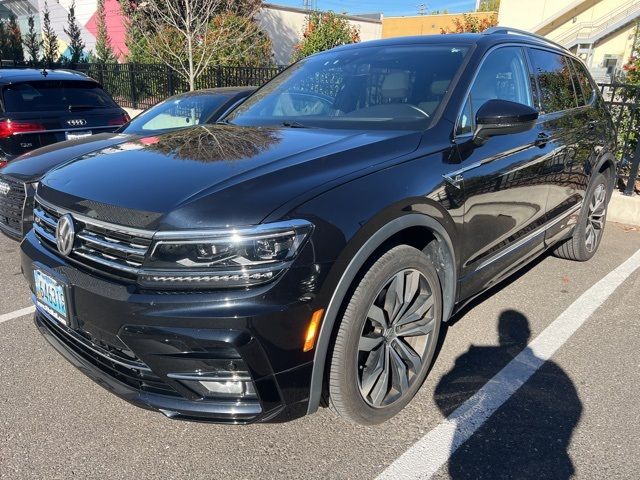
(137, 51)
(4, 43)
(50, 39)
(76, 45)
(632, 67)
(15, 40)
(186, 35)
(472, 23)
(104, 50)
(489, 6)
(32, 42)
(325, 30)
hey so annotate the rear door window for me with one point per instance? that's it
(53, 95)
(555, 79)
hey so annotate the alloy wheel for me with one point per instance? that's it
(395, 338)
(596, 218)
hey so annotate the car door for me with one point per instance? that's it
(502, 180)
(564, 123)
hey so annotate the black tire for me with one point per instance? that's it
(407, 267)
(578, 247)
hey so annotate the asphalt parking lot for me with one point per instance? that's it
(577, 415)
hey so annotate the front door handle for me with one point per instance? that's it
(542, 140)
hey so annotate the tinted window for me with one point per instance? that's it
(555, 79)
(503, 75)
(176, 113)
(53, 95)
(583, 80)
(361, 88)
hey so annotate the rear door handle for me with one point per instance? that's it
(542, 140)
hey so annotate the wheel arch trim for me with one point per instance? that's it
(607, 158)
(350, 273)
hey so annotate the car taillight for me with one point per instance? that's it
(120, 120)
(11, 127)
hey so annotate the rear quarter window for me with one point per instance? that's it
(583, 79)
(52, 95)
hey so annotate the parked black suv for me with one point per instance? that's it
(40, 107)
(311, 246)
(20, 177)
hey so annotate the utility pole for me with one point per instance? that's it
(422, 7)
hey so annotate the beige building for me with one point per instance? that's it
(285, 26)
(600, 31)
(426, 24)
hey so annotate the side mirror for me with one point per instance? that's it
(501, 117)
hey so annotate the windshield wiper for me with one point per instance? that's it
(293, 124)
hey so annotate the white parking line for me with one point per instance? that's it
(432, 451)
(18, 313)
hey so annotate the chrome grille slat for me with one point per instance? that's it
(43, 233)
(98, 245)
(43, 216)
(111, 244)
(105, 262)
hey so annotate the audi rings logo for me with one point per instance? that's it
(77, 122)
(65, 234)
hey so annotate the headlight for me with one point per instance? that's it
(223, 259)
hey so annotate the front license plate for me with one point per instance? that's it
(50, 295)
(76, 135)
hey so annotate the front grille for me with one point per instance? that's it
(12, 200)
(111, 248)
(133, 373)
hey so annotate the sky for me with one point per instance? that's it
(387, 7)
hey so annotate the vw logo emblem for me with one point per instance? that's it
(77, 122)
(65, 234)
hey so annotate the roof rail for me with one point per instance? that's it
(517, 31)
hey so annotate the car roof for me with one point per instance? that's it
(489, 37)
(14, 75)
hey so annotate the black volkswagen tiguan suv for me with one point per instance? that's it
(306, 250)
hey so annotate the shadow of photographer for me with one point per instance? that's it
(529, 435)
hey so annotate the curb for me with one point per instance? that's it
(623, 209)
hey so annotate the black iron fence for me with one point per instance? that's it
(137, 85)
(623, 101)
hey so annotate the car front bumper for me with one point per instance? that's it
(152, 349)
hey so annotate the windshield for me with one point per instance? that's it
(390, 87)
(175, 113)
(55, 95)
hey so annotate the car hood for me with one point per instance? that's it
(31, 166)
(214, 175)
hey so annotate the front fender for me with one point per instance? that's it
(358, 260)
